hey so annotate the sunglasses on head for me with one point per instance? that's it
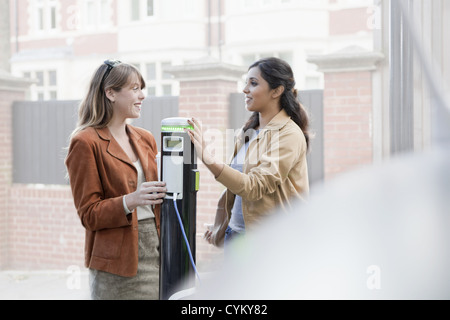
(111, 64)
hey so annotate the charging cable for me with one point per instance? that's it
(175, 196)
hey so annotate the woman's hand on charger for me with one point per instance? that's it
(202, 149)
(196, 136)
(148, 193)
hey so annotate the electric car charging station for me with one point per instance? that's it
(178, 168)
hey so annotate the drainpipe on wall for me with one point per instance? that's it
(16, 12)
(5, 35)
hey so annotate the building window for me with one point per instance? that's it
(249, 59)
(150, 8)
(189, 8)
(40, 78)
(141, 9)
(167, 90)
(97, 13)
(45, 87)
(165, 75)
(151, 71)
(39, 12)
(45, 15)
(252, 4)
(53, 17)
(135, 10)
(53, 95)
(52, 78)
(159, 83)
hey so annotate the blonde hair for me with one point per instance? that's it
(96, 110)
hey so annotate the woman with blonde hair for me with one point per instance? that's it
(113, 176)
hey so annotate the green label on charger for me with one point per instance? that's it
(175, 128)
(197, 180)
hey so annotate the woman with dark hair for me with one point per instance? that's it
(269, 169)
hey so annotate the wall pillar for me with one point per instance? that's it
(348, 109)
(205, 88)
(11, 89)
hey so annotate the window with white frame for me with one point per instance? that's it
(189, 8)
(150, 8)
(178, 9)
(166, 79)
(141, 9)
(249, 59)
(150, 77)
(44, 15)
(265, 3)
(159, 83)
(97, 13)
(45, 87)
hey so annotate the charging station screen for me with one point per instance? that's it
(173, 143)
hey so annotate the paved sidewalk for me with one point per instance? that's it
(44, 285)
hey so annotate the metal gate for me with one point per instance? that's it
(41, 130)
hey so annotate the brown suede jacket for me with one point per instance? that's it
(100, 175)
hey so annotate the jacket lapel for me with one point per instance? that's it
(113, 148)
(239, 142)
(279, 121)
(141, 150)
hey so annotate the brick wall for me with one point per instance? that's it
(347, 121)
(46, 232)
(6, 98)
(349, 21)
(348, 108)
(39, 227)
(208, 101)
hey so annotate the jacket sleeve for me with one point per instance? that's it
(96, 212)
(272, 169)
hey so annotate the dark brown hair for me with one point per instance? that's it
(277, 73)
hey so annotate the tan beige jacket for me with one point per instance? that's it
(275, 171)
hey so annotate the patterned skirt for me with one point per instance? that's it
(145, 285)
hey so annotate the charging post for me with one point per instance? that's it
(178, 168)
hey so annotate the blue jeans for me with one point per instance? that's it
(230, 234)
